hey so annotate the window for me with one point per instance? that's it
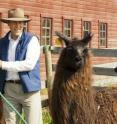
(102, 34)
(46, 31)
(86, 27)
(68, 27)
(26, 24)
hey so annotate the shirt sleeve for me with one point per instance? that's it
(32, 56)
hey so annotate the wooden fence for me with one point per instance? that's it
(105, 69)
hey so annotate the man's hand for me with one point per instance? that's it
(0, 63)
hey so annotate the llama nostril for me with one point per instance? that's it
(77, 59)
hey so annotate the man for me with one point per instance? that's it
(19, 70)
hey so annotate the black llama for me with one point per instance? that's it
(72, 96)
(74, 100)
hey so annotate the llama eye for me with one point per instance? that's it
(85, 51)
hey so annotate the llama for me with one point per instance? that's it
(72, 95)
(74, 100)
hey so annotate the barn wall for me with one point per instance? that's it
(79, 10)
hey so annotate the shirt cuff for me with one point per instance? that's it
(4, 65)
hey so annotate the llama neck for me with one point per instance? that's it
(85, 75)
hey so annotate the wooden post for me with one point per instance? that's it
(48, 62)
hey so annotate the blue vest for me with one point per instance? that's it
(30, 80)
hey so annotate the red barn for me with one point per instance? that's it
(72, 17)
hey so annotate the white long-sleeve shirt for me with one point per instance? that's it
(32, 55)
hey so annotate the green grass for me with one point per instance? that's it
(46, 117)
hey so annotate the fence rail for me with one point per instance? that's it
(96, 53)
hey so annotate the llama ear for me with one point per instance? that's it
(63, 37)
(87, 38)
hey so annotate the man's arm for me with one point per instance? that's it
(32, 56)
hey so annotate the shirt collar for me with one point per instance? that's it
(13, 39)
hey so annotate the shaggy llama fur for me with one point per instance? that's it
(72, 95)
(73, 98)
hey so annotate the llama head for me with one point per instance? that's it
(74, 54)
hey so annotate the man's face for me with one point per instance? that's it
(16, 28)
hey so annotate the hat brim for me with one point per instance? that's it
(7, 20)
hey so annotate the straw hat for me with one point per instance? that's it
(15, 15)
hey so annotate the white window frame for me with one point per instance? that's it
(68, 27)
(102, 34)
(46, 31)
